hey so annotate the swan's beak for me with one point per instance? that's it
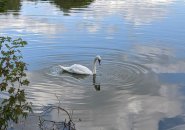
(99, 62)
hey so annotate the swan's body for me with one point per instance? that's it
(77, 69)
(80, 69)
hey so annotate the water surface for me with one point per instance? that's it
(140, 84)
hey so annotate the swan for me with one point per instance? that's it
(80, 69)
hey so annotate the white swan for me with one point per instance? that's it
(80, 69)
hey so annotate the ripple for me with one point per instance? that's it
(110, 73)
(123, 74)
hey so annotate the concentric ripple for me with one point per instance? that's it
(123, 74)
(110, 73)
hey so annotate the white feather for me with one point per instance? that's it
(77, 69)
(80, 69)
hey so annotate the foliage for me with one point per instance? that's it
(12, 77)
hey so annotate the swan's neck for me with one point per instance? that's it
(94, 67)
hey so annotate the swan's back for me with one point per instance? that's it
(77, 69)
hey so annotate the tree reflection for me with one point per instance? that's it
(10, 5)
(66, 5)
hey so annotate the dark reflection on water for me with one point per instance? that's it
(174, 123)
(67, 5)
(140, 84)
(96, 85)
(10, 6)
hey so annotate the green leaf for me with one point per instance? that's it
(12, 74)
(11, 90)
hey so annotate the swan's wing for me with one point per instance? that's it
(79, 69)
(64, 68)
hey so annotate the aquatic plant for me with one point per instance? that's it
(56, 124)
(13, 103)
(47, 124)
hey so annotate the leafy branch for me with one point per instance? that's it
(12, 77)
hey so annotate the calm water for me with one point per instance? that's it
(141, 82)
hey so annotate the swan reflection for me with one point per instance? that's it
(95, 84)
(76, 76)
(58, 72)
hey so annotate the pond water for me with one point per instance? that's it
(140, 84)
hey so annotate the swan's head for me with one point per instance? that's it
(99, 59)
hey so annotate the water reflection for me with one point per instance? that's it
(27, 25)
(10, 5)
(137, 12)
(96, 84)
(160, 58)
(120, 109)
(67, 5)
(57, 72)
(145, 11)
(139, 81)
(174, 123)
(76, 76)
(111, 108)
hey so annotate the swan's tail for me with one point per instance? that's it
(62, 67)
